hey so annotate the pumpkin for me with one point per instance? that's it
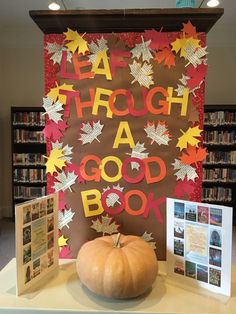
(117, 266)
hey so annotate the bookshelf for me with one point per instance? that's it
(219, 167)
(28, 148)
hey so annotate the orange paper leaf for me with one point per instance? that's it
(193, 155)
(189, 30)
(167, 56)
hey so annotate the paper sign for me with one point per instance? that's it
(199, 244)
(36, 240)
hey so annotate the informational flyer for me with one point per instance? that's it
(199, 244)
(36, 240)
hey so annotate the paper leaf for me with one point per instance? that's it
(65, 252)
(67, 151)
(76, 169)
(193, 155)
(184, 171)
(184, 187)
(142, 74)
(138, 152)
(195, 55)
(64, 218)
(54, 161)
(159, 40)
(197, 75)
(106, 225)
(54, 130)
(189, 30)
(142, 50)
(65, 181)
(76, 42)
(55, 95)
(167, 56)
(184, 79)
(158, 134)
(56, 51)
(91, 132)
(148, 238)
(180, 44)
(113, 198)
(180, 90)
(62, 241)
(189, 137)
(95, 48)
(52, 109)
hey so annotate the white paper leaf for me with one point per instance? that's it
(142, 74)
(52, 109)
(95, 48)
(65, 181)
(113, 198)
(184, 171)
(184, 79)
(138, 152)
(148, 238)
(180, 90)
(64, 218)
(56, 51)
(194, 55)
(106, 226)
(142, 50)
(158, 134)
(66, 150)
(91, 132)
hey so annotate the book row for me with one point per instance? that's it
(219, 118)
(25, 136)
(29, 118)
(220, 137)
(219, 194)
(26, 192)
(219, 175)
(28, 159)
(220, 157)
(30, 175)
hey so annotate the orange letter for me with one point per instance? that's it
(162, 103)
(162, 166)
(142, 208)
(96, 173)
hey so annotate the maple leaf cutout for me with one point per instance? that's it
(158, 134)
(195, 55)
(138, 152)
(64, 218)
(148, 238)
(142, 50)
(62, 241)
(184, 171)
(189, 30)
(65, 252)
(54, 130)
(142, 73)
(106, 225)
(193, 155)
(65, 181)
(91, 132)
(67, 151)
(189, 137)
(55, 95)
(95, 48)
(184, 187)
(113, 198)
(159, 40)
(76, 42)
(52, 109)
(196, 75)
(167, 56)
(54, 161)
(56, 51)
(180, 44)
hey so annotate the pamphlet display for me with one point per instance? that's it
(36, 240)
(199, 244)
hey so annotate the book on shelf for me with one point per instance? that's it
(219, 175)
(219, 193)
(221, 157)
(28, 159)
(25, 136)
(220, 137)
(28, 192)
(28, 118)
(220, 118)
(30, 175)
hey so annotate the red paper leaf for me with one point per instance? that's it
(62, 203)
(76, 169)
(53, 130)
(197, 75)
(65, 252)
(189, 30)
(184, 187)
(167, 56)
(193, 155)
(159, 40)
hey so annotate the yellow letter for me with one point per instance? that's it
(99, 102)
(118, 162)
(123, 126)
(87, 201)
(177, 100)
(102, 56)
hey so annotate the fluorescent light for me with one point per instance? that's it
(213, 3)
(54, 6)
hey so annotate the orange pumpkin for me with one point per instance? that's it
(117, 266)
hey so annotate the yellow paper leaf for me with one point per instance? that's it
(62, 241)
(55, 95)
(76, 42)
(189, 137)
(54, 160)
(180, 44)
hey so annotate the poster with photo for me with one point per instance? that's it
(36, 240)
(199, 244)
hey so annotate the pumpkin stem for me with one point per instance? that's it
(117, 241)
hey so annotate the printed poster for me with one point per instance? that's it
(36, 240)
(199, 244)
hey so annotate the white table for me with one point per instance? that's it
(63, 293)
